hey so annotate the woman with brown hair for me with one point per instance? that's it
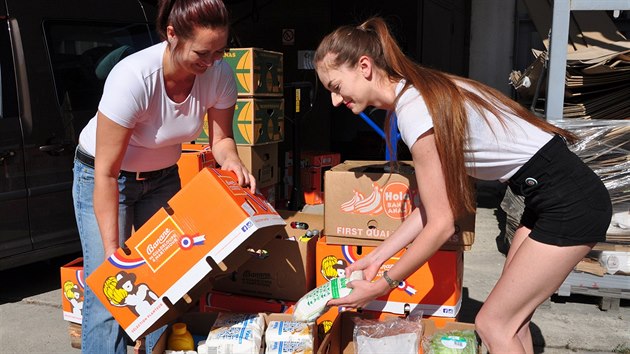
(126, 162)
(457, 128)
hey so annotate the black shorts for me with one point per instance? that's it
(566, 203)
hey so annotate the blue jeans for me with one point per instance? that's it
(138, 201)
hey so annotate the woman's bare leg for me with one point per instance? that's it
(533, 271)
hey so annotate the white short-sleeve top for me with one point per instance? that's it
(492, 152)
(134, 96)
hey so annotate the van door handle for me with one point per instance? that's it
(57, 148)
(5, 154)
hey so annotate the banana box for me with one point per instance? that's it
(194, 158)
(435, 289)
(258, 72)
(256, 121)
(205, 230)
(366, 201)
(72, 288)
(261, 161)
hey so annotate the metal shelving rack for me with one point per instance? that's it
(558, 47)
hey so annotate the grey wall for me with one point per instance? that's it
(492, 42)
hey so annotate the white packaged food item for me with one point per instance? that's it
(405, 343)
(288, 347)
(289, 331)
(234, 319)
(234, 340)
(313, 304)
(615, 261)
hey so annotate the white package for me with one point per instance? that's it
(289, 331)
(234, 340)
(234, 319)
(406, 343)
(288, 347)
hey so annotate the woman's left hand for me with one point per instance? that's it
(244, 177)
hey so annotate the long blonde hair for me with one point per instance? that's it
(445, 99)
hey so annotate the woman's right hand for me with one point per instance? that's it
(368, 264)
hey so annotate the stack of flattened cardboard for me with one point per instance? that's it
(597, 81)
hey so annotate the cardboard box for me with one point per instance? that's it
(339, 340)
(435, 288)
(150, 281)
(325, 321)
(256, 121)
(261, 161)
(365, 204)
(258, 72)
(270, 193)
(215, 301)
(284, 268)
(194, 158)
(199, 324)
(313, 165)
(72, 289)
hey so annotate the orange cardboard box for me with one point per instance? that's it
(72, 288)
(148, 282)
(194, 158)
(215, 301)
(435, 288)
(365, 203)
(284, 268)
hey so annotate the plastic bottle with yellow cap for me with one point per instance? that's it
(180, 338)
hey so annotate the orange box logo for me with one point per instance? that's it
(163, 243)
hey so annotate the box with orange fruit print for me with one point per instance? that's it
(366, 201)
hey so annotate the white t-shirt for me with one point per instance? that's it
(492, 152)
(134, 97)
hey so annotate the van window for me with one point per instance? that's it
(82, 54)
(8, 93)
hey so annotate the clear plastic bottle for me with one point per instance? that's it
(180, 338)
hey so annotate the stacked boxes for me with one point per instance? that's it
(366, 201)
(313, 166)
(258, 123)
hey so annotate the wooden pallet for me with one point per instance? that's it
(609, 288)
(74, 330)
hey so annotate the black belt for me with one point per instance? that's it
(88, 160)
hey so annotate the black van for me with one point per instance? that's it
(54, 57)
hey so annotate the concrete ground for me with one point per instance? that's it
(31, 319)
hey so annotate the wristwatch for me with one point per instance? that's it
(393, 284)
